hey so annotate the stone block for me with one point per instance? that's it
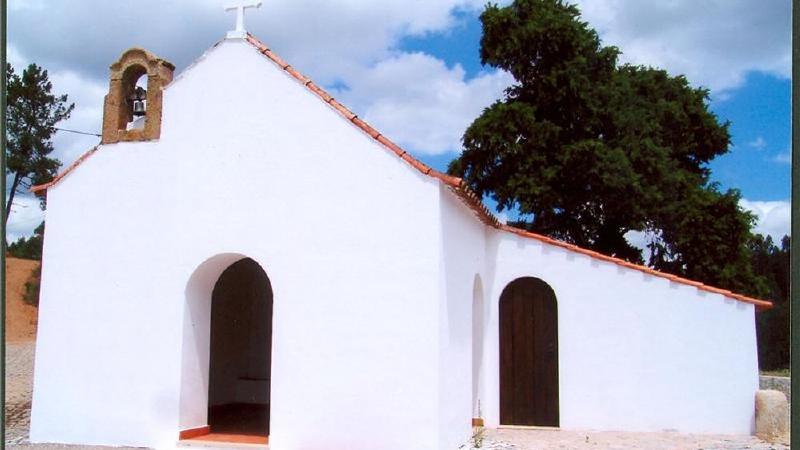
(772, 415)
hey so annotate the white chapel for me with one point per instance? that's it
(262, 266)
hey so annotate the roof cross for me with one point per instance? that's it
(240, 6)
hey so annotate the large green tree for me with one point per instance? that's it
(32, 113)
(586, 149)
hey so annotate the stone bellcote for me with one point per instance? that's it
(118, 109)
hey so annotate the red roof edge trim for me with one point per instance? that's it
(341, 109)
(469, 197)
(40, 188)
(761, 304)
(457, 185)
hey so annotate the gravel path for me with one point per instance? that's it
(515, 439)
(19, 383)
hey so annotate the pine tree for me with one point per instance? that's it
(32, 113)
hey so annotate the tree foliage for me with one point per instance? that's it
(32, 113)
(33, 287)
(586, 149)
(28, 248)
(772, 262)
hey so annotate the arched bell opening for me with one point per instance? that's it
(133, 106)
(134, 86)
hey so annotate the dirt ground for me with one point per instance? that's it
(20, 329)
(20, 316)
(20, 347)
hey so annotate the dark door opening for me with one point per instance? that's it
(241, 351)
(528, 354)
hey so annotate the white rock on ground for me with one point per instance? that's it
(772, 412)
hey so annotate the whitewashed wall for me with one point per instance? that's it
(636, 352)
(462, 263)
(382, 279)
(249, 164)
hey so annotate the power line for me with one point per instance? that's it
(77, 132)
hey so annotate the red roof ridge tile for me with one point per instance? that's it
(457, 185)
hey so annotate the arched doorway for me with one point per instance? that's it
(240, 351)
(528, 354)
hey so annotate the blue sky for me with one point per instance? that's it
(758, 163)
(758, 109)
(413, 70)
(759, 112)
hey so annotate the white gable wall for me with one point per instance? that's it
(251, 164)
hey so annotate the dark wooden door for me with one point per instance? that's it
(528, 354)
(240, 359)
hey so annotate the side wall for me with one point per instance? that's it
(344, 229)
(636, 352)
(461, 319)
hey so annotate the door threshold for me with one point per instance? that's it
(226, 440)
(528, 427)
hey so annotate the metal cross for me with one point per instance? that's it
(240, 6)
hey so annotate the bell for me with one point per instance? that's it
(138, 101)
(138, 108)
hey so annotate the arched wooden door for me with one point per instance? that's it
(528, 354)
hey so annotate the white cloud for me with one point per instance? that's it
(15, 58)
(413, 98)
(640, 240)
(21, 5)
(758, 143)
(325, 39)
(87, 95)
(784, 158)
(774, 218)
(24, 218)
(713, 43)
(418, 101)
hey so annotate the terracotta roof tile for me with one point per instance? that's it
(297, 75)
(457, 185)
(447, 179)
(415, 163)
(319, 91)
(366, 128)
(39, 189)
(391, 145)
(342, 109)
